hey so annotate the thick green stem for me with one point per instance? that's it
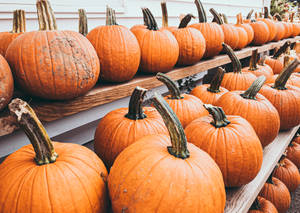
(219, 117)
(201, 12)
(19, 21)
(283, 77)
(216, 15)
(176, 131)
(34, 130)
(236, 64)
(151, 22)
(216, 81)
(281, 50)
(164, 11)
(250, 14)
(172, 87)
(83, 25)
(255, 205)
(186, 20)
(252, 91)
(135, 109)
(253, 61)
(46, 16)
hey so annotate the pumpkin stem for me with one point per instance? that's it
(292, 17)
(34, 130)
(186, 20)
(145, 18)
(238, 19)
(164, 11)
(252, 91)
(219, 117)
(286, 60)
(255, 205)
(135, 109)
(172, 87)
(19, 21)
(281, 50)
(261, 61)
(253, 61)
(277, 16)
(216, 81)
(250, 14)
(236, 64)
(151, 23)
(46, 16)
(110, 16)
(176, 131)
(201, 12)
(283, 77)
(217, 16)
(225, 19)
(266, 12)
(83, 25)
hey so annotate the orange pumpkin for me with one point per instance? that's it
(122, 127)
(212, 33)
(246, 27)
(280, 31)
(165, 22)
(6, 82)
(210, 93)
(49, 176)
(270, 23)
(166, 168)
(261, 205)
(293, 153)
(58, 64)
(236, 80)
(186, 107)
(261, 32)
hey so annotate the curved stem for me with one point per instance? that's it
(283, 77)
(255, 205)
(172, 87)
(176, 131)
(83, 25)
(34, 130)
(216, 15)
(253, 61)
(19, 21)
(151, 24)
(250, 14)
(266, 12)
(281, 50)
(219, 117)
(135, 109)
(277, 16)
(164, 11)
(225, 19)
(252, 91)
(236, 64)
(186, 20)
(201, 12)
(46, 16)
(145, 17)
(216, 81)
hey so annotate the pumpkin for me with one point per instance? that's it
(231, 36)
(255, 108)
(293, 153)
(48, 176)
(6, 83)
(246, 27)
(218, 135)
(261, 32)
(296, 26)
(212, 33)
(162, 173)
(83, 25)
(285, 98)
(277, 193)
(58, 65)
(190, 41)
(236, 80)
(210, 93)
(261, 205)
(270, 23)
(186, 107)
(122, 127)
(287, 29)
(280, 31)
(159, 48)
(117, 64)
(19, 27)
(288, 173)
(165, 22)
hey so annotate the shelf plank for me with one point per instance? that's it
(239, 200)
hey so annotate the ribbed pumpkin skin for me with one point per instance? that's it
(261, 32)
(265, 206)
(146, 178)
(238, 167)
(159, 50)
(293, 153)
(187, 108)
(286, 29)
(115, 132)
(290, 29)
(249, 30)
(58, 64)
(118, 51)
(231, 35)
(296, 29)
(280, 31)
(237, 81)
(278, 194)
(286, 102)
(272, 28)
(275, 64)
(207, 97)
(191, 45)
(288, 173)
(243, 38)
(5, 39)
(260, 113)
(214, 37)
(265, 70)
(6, 83)
(74, 183)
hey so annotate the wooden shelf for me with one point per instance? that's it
(108, 92)
(239, 200)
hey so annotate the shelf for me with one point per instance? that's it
(239, 200)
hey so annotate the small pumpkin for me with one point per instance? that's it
(186, 107)
(162, 173)
(49, 176)
(261, 32)
(245, 26)
(293, 153)
(210, 93)
(270, 23)
(261, 205)
(6, 83)
(122, 127)
(165, 22)
(236, 80)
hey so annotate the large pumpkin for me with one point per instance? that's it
(212, 32)
(6, 83)
(19, 27)
(237, 79)
(162, 173)
(117, 48)
(219, 135)
(50, 176)
(261, 205)
(122, 127)
(261, 32)
(246, 27)
(159, 48)
(58, 64)
(293, 153)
